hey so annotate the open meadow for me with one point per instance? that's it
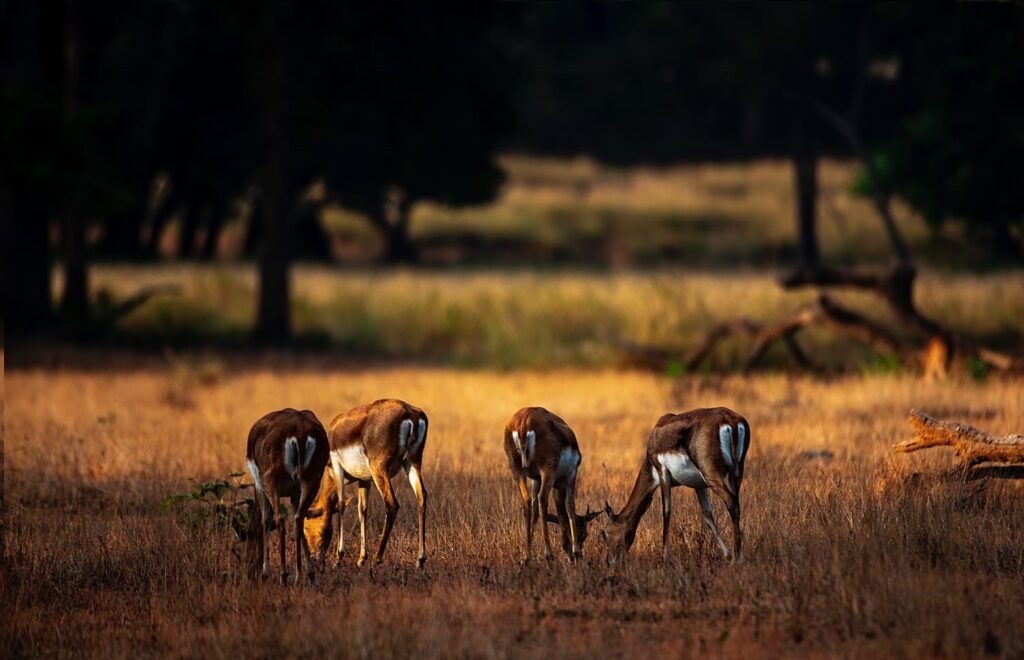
(849, 550)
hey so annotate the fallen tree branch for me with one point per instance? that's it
(971, 445)
(896, 287)
(703, 349)
(785, 331)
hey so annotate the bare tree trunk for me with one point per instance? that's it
(27, 264)
(75, 302)
(805, 164)
(273, 323)
(393, 219)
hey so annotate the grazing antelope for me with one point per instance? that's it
(701, 449)
(543, 454)
(370, 444)
(286, 454)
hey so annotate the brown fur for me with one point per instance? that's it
(695, 434)
(537, 473)
(375, 429)
(266, 449)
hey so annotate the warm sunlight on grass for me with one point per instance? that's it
(848, 552)
(527, 319)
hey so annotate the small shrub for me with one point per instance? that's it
(213, 505)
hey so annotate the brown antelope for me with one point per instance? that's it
(701, 449)
(372, 443)
(543, 454)
(286, 454)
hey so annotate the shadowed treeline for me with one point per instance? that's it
(135, 130)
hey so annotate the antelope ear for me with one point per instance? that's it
(551, 518)
(590, 515)
(611, 512)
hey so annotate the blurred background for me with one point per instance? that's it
(686, 187)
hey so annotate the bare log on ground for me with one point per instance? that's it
(971, 445)
(896, 287)
(660, 358)
(785, 331)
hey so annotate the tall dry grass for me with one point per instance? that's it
(847, 555)
(516, 319)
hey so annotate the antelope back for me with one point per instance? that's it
(535, 439)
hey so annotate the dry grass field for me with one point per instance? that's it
(848, 553)
(512, 319)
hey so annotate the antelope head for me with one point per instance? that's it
(581, 528)
(617, 534)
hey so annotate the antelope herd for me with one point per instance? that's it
(290, 454)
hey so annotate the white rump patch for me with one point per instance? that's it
(352, 460)
(656, 476)
(310, 450)
(421, 435)
(531, 441)
(568, 462)
(741, 442)
(725, 442)
(519, 448)
(291, 455)
(681, 470)
(257, 480)
(404, 429)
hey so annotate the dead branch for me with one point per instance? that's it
(971, 445)
(896, 287)
(719, 332)
(784, 330)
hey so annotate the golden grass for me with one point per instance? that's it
(514, 319)
(845, 556)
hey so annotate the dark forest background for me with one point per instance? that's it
(117, 116)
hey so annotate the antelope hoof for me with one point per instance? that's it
(420, 561)
(284, 578)
(361, 561)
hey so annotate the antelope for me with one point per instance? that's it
(370, 444)
(543, 454)
(286, 454)
(701, 449)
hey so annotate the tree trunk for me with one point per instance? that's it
(805, 165)
(272, 323)
(75, 302)
(190, 219)
(400, 249)
(393, 218)
(214, 225)
(28, 297)
(121, 236)
(312, 242)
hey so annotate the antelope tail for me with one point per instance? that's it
(296, 457)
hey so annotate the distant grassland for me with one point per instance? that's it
(580, 211)
(530, 319)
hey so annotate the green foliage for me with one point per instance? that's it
(956, 155)
(978, 369)
(881, 363)
(213, 505)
